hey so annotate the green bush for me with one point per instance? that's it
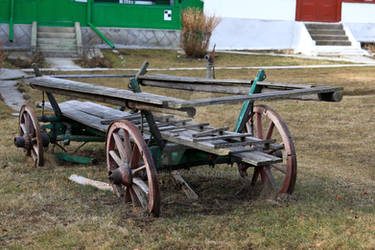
(196, 31)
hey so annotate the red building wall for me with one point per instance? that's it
(322, 10)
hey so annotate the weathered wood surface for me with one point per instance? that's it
(108, 95)
(154, 102)
(223, 82)
(94, 76)
(92, 115)
(234, 87)
(261, 96)
(85, 181)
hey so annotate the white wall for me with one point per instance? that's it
(362, 32)
(254, 9)
(241, 34)
(358, 13)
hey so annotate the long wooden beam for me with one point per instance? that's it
(144, 101)
(264, 96)
(223, 82)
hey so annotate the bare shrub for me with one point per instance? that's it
(370, 47)
(196, 31)
(23, 63)
(89, 59)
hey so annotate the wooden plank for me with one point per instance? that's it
(221, 137)
(101, 93)
(241, 143)
(261, 96)
(233, 90)
(94, 76)
(225, 82)
(189, 126)
(86, 119)
(257, 158)
(199, 87)
(210, 132)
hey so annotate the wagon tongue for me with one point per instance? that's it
(121, 175)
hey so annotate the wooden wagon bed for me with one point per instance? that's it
(218, 141)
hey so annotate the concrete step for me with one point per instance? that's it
(340, 50)
(51, 50)
(53, 41)
(333, 43)
(324, 26)
(329, 37)
(57, 48)
(55, 35)
(56, 29)
(326, 32)
(60, 54)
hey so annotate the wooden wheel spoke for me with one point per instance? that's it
(116, 158)
(259, 126)
(133, 197)
(135, 157)
(23, 128)
(270, 177)
(140, 196)
(34, 156)
(134, 151)
(270, 130)
(134, 171)
(255, 176)
(279, 168)
(120, 146)
(142, 185)
(127, 194)
(28, 125)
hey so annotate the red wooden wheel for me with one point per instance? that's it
(131, 168)
(267, 124)
(30, 134)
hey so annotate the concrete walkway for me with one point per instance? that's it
(11, 74)
(62, 63)
(338, 58)
(10, 95)
(8, 88)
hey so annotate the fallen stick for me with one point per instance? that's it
(85, 181)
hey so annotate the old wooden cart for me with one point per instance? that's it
(140, 143)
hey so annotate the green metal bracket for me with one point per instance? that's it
(134, 86)
(248, 105)
(11, 20)
(89, 7)
(76, 158)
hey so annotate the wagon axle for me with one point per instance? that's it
(25, 141)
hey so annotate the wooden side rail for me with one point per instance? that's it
(141, 101)
(234, 87)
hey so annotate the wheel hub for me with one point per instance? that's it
(23, 141)
(122, 175)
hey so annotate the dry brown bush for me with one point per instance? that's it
(87, 61)
(2, 55)
(196, 31)
(24, 63)
(370, 47)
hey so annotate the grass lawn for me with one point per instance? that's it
(332, 206)
(133, 58)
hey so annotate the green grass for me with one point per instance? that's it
(332, 206)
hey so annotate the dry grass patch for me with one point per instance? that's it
(332, 207)
(133, 58)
